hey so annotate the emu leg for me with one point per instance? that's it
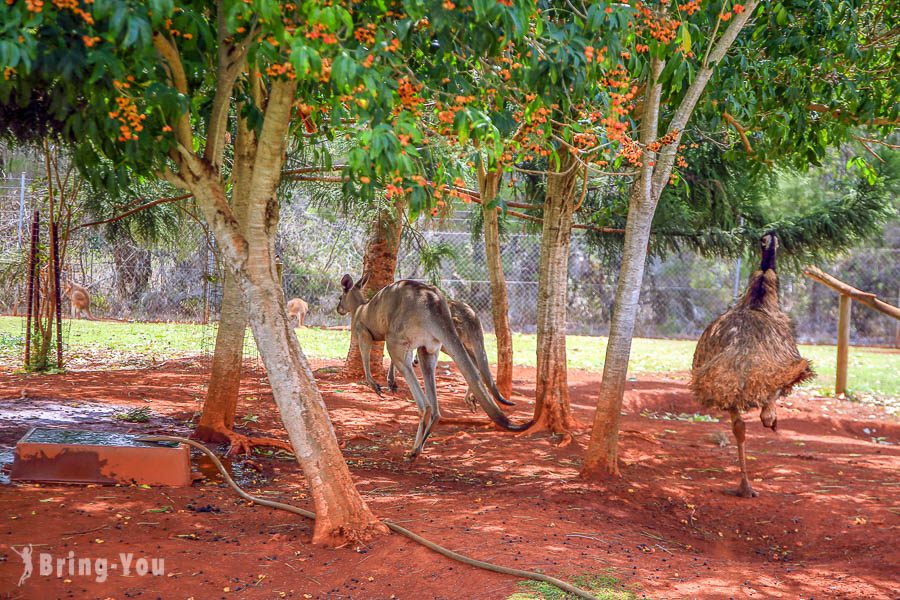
(745, 490)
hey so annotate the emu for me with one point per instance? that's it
(748, 358)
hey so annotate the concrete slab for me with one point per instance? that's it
(75, 456)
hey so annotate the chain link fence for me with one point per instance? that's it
(681, 294)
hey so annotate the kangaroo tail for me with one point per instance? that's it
(481, 361)
(454, 347)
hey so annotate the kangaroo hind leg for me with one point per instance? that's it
(428, 364)
(364, 341)
(401, 358)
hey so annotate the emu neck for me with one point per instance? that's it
(762, 291)
(768, 259)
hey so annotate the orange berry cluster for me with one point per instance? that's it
(320, 32)
(584, 140)
(594, 56)
(8, 72)
(657, 25)
(630, 150)
(393, 190)
(365, 34)
(89, 41)
(34, 6)
(690, 7)
(127, 115)
(325, 73)
(409, 95)
(282, 69)
(71, 5)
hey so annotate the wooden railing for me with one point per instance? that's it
(847, 293)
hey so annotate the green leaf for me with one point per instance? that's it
(685, 38)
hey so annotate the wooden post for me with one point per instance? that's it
(897, 326)
(57, 292)
(32, 265)
(843, 345)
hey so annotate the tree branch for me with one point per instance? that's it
(178, 78)
(230, 64)
(270, 149)
(666, 157)
(839, 113)
(742, 131)
(128, 213)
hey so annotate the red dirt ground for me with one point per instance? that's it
(825, 524)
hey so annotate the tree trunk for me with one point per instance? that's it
(342, 516)
(248, 250)
(133, 269)
(225, 376)
(552, 410)
(380, 262)
(601, 458)
(488, 182)
(217, 419)
(602, 453)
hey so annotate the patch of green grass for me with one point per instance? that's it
(135, 415)
(873, 371)
(604, 587)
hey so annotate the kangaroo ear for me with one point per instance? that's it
(346, 282)
(362, 280)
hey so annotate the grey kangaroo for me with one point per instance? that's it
(410, 315)
(471, 334)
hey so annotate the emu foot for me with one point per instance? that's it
(392, 386)
(471, 401)
(745, 490)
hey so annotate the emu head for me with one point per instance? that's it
(768, 244)
(352, 296)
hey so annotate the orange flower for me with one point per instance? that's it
(738, 9)
(726, 16)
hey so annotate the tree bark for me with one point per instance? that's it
(552, 411)
(225, 376)
(380, 262)
(342, 515)
(217, 419)
(248, 250)
(601, 459)
(488, 183)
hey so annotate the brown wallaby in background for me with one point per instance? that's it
(80, 300)
(296, 311)
(407, 316)
(471, 334)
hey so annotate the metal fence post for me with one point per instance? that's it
(21, 207)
